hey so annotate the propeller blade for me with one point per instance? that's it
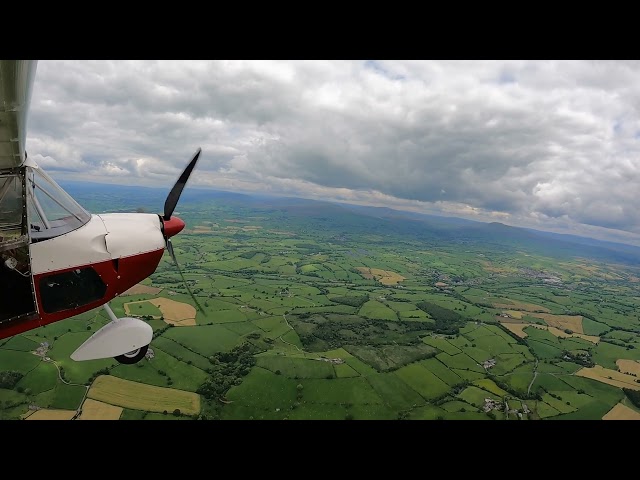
(174, 195)
(175, 260)
(171, 252)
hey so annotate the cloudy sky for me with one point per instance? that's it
(553, 145)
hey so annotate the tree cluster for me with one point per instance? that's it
(351, 300)
(364, 331)
(633, 395)
(9, 378)
(227, 370)
(447, 321)
(580, 359)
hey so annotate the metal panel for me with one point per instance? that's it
(16, 82)
(132, 233)
(83, 246)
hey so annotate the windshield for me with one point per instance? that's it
(51, 211)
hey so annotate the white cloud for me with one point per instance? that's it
(547, 144)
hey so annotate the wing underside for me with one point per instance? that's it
(16, 81)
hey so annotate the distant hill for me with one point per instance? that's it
(548, 243)
(340, 219)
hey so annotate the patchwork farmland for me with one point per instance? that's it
(302, 319)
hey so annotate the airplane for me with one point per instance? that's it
(58, 260)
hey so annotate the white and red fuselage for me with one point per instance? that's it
(56, 259)
(115, 250)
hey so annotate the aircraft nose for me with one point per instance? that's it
(172, 227)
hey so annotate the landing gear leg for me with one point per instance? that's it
(112, 315)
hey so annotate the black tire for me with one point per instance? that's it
(133, 357)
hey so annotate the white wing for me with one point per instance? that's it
(16, 81)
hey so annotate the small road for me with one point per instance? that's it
(288, 325)
(535, 374)
(79, 409)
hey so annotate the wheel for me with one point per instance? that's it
(133, 356)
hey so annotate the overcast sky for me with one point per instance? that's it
(553, 145)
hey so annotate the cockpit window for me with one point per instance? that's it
(51, 211)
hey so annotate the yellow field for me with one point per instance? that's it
(518, 329)
(176, 313)
(592, 271)
(244, 228)
(492, 269)
(610, 377)
(46, 414)
(518, 305)
(385, 277)
(140, 288)
(94, 410)
(621, 412)
(600, 272)
(572, 322)
(138, 396)
(502, 319)
(489, 267)
(515, 313)
(562, 334)
(629, 366)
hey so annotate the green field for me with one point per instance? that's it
(375, 309)
(476, 396)
(204, 340)
(297, 367)
(422, 381)
(19, 361)
(261, 395)
(144, 308)
(163, 370)
(76, 372)
(20, 343)
(394, 391)
(292, 329)
(340, 390)
(460, 361)
(441, 371)
(68, 397)
(181, 353)
(42, 378)
(442, 344)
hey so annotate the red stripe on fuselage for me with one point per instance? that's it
(131, 270)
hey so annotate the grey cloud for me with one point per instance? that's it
(534, 142)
